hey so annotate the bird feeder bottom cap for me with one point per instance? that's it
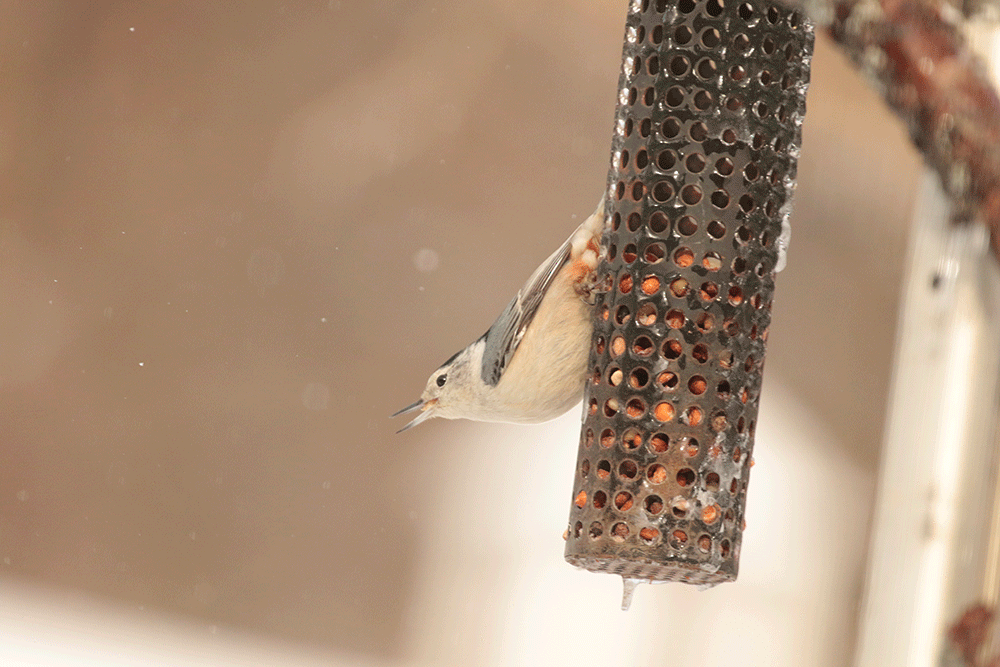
(649, 570)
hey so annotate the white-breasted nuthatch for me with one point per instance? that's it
(530, 366)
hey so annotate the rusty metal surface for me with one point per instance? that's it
(706, 139)
(918, 56)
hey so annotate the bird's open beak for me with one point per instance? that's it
(424, 415)
(409, 408)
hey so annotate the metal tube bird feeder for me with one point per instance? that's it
(704, 153)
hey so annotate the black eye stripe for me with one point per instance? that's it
(441, 379)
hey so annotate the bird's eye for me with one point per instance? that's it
(441, 379)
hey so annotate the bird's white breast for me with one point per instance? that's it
(546, 376)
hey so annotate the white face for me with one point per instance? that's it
(437, 387)
(443, 393)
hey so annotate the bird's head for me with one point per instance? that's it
(450, 390)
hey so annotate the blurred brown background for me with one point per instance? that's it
(235, 237)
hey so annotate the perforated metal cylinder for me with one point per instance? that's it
(707, 133)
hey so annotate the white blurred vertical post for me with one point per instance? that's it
(935, 546)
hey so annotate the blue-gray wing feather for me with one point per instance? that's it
(506, 333)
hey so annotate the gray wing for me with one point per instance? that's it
(506, 333)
